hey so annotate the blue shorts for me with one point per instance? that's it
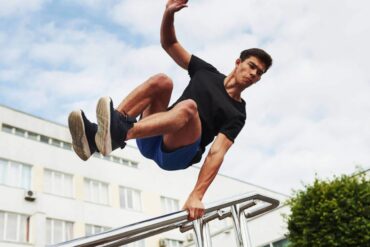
(152, 148)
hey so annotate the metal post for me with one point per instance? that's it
(198, 231)
(245, 232)
(236, 220)
(207, 234)
(240, 225)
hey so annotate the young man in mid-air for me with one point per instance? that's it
(175, 137)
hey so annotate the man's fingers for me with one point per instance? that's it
(195, 213)
(180, 7)
(200, 212)
(191, 214)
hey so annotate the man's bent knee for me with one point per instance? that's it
(188, 108)
(161, 82)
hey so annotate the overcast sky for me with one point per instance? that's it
(310, 114)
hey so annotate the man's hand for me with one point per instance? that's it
(176, 5)
(195, 207)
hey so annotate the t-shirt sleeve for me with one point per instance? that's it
(197, 64)
(232, 128)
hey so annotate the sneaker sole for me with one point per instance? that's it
(103, 138)
(79, 139)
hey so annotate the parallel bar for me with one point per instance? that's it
(150, 227)
(127, 231)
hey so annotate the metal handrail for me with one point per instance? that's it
(238, 207)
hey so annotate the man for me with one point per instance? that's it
(175, 137)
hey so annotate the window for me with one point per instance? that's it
(15, 174)
(169, 205)
(20, 132)
(96, 191)
(14, 227)
(93, 229)
(33, 136)
(44, 139)
(58, 231)
(133, 164)
(6, 128)
(67, 146)
(55, 142)
(140, 243)
(172, 243)
(58, 183)
(116, 159)
(130, 198)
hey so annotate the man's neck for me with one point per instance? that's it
(232, 88)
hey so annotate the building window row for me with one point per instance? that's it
(15, 228)
(18, 175)
(61, 184)
(61, 144)
(35, 136)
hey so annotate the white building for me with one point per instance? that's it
(48, 195)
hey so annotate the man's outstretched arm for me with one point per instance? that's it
(207, 173)
(168, 35)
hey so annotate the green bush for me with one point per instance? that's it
(331, 213)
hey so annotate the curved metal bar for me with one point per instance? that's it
(150, 227)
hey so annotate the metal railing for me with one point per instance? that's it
(238, 208)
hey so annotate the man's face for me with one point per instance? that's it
(249, 71)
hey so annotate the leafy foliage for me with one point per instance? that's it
(331, 213)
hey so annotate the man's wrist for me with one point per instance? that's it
(168, 11)
(196, 194)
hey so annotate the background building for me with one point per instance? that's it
(48, 195)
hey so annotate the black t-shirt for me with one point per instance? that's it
(217, 110)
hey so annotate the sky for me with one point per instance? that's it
(308, 117)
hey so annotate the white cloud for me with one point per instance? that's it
(139, 16)
(17, 7)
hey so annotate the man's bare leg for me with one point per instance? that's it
(150, 97)
(180, 126)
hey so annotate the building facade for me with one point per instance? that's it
(48, 195)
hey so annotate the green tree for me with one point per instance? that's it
(331, 213)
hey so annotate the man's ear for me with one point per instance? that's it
(238, 61)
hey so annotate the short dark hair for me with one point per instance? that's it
(259, 53)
